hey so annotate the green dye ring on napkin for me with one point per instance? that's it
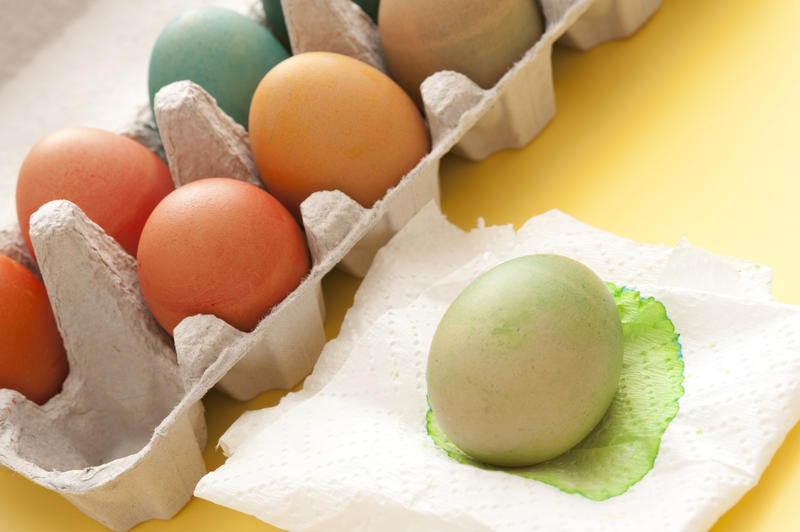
(623, 446)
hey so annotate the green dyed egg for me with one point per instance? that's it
(275, 21)
(526, 361)
(222, 51)
(277, 24)
(370, 7)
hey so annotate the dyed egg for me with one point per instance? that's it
(479, 39)
(324, 121)
(116, 181)
(526, 360)
(222, 51)
(32, 357)
(223, 247)
(277, 23)
(370, 7)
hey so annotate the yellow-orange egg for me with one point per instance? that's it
(223, 247)
(324, 121)
(32, 357)
(479, 39)
(115, 180)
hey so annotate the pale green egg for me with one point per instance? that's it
(526, 360)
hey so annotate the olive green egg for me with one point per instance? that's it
(479, 39)
(224, 52)
(526, 360)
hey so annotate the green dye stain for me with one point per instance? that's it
(502, 331)
(623, 446)
(506, 333)
(699, 431)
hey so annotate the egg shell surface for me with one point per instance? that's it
(526, 360)
(479, 39)
(32, 356)
(222, 51)
(325, 121)
(276, 22)
(223, 247)
(116, 181)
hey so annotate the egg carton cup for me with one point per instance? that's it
(123, 440)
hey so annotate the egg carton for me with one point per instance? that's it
(123, 441)
(606, 20)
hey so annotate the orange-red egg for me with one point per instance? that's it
(324, 121)
(115, 180)
(223, 247)
(32, 356)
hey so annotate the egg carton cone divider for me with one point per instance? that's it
(123, 440)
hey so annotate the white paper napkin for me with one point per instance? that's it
(351, 452)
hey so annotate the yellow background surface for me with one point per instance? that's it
(690, 128)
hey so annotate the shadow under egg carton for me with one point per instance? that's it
(123, 440)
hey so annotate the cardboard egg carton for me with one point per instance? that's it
(608, 19)
(123, 441)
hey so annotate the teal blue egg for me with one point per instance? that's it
(276, 22)
(370, 7)
(222, 51)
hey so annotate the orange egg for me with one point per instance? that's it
(324, 121)
(223, 247)
(32, 356)
(115, 180)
